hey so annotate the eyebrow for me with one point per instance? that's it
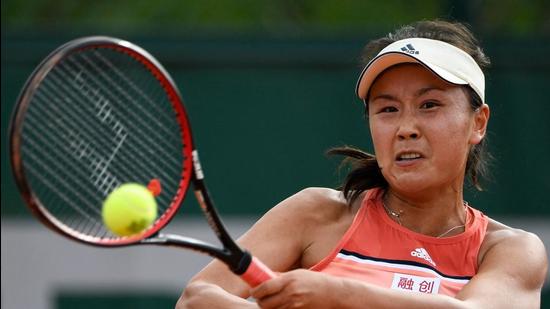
(417, 94)
(425, 90)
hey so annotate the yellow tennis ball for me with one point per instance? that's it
(129, 209)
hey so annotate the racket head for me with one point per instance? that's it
(96, 113)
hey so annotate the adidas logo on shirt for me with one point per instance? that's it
(422, 254)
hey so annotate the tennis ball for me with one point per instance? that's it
(129, 209)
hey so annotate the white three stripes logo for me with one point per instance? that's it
(423, 254)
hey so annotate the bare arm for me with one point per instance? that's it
(278, 239)
(511, 274)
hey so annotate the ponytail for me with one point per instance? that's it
(365, 173)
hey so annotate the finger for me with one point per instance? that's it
(267, 288)
(272, 301)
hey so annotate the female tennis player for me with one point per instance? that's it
(399, 233)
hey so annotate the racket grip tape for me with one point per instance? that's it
(256, 273)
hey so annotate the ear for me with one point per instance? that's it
(481, 118)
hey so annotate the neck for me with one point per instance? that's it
(440, 215)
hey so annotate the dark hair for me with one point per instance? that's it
(365, 173)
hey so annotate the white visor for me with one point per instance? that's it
(445, 60)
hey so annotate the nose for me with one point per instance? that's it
(408, 128)
(407, 134)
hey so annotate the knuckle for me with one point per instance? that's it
(183, 303)
(193, 288)
(189, 292)
(190, 295)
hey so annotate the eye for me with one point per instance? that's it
(387, 109)
(430, 104)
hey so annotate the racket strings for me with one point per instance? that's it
(86, 208)
(69, 169)
(162, 125)
(86, 126)
(157, 90)
(168, 133)
(72, 170)
(77, 135)
(61, 182)
(128, 99)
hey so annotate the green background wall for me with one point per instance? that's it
(263, 121)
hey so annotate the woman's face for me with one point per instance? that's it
(422, 128)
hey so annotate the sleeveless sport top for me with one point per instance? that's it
(378, 250)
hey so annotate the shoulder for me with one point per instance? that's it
(323, 218)
(318, 194)
(519, 253)
(315, 205)
(322, 195)
(299, 223)
(499, 234)
(309, 207)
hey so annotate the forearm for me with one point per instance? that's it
(356, 294)
(207, 295)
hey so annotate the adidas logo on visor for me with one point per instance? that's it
(409, 49)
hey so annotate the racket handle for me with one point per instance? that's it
(257, 273)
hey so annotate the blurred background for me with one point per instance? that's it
(269, 86)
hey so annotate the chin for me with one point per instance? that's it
(408, 184)
(409, 189)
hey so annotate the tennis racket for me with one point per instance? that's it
(99, 112)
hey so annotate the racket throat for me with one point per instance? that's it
(239, 263)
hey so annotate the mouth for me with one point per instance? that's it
(408, 156)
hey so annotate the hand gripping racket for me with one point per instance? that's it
(99, 112)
